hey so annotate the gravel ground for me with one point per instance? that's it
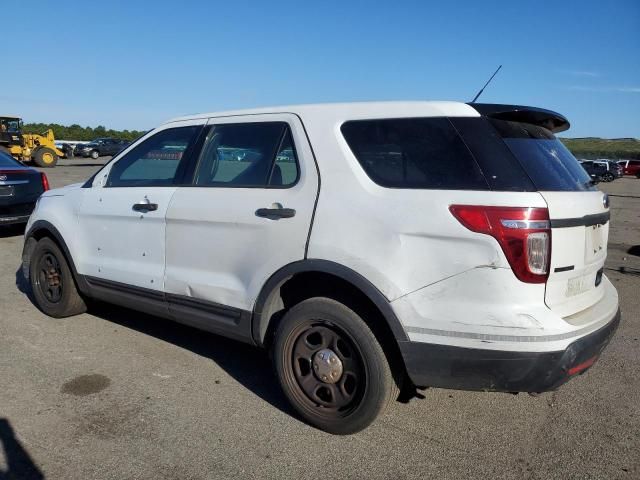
(117, 394)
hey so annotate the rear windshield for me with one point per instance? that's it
(8, 161)
(422, 153)
(546, 160)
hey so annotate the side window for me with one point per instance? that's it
(285, 169)
(423, 153)
(156, 161)
(248, 155)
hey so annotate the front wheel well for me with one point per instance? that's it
(40, 230)
(304, 285)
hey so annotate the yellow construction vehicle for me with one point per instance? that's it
(26, 147)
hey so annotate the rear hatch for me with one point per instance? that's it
(579, 215)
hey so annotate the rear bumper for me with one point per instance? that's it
(18, 213)
(13, 220)
(505, 371)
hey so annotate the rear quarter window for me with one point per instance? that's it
(422, 153)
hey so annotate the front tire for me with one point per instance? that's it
(608, 177)
(52, 282)
(331, 366)
(45, 157)
(94, 154)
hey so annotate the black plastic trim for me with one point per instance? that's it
(128, 296)
(213, 317)
(504, 371)
(587, 220)
(258, 326)
(522, 113)
(208, 316)
(564, 269)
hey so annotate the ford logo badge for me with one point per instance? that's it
(3, 178)
(605, 200)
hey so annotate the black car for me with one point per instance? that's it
(596, 170)
(20, 187)
(101, 147)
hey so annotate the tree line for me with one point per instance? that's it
(76, 132)
(588, 148)
(592, 148)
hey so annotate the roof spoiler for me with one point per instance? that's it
(518, 113)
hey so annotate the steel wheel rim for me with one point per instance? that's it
(50, 277)
(333, 397)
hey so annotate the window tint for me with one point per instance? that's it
(247, 155)
(500, 168)
(413, 153)
(285, 168)
(546, 160)
(155, 161)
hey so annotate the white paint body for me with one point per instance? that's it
(447, 285)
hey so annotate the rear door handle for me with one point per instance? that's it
(276, 212)
(145, 206)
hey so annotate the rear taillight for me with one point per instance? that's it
(524, 234)
(45, 181)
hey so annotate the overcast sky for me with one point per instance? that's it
(133, 64)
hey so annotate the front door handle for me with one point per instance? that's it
(145, 206)
(276, 212)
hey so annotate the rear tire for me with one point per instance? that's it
(45, 157)
(331, 366)
(52, 282)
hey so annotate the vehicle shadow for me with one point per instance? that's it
(7, 231)
(634, 250)
(248, 365)
(19, 463)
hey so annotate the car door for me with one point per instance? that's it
(247, 214)
(107, 147)
(114, 146)
(122, 217)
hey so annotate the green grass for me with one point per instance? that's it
(627, 148)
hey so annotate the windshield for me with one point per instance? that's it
(549, 164)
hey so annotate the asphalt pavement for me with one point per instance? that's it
(115, 394)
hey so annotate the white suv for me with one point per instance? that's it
(369, 246)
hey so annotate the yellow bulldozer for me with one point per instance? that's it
(28, 147)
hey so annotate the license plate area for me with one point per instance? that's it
(6, 191)
(594, 248)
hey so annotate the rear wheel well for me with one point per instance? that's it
(305, 285)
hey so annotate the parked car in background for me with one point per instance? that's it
(630, 167)
(101, 147)
(20, 187)
(602, 170)
(614, 168)
(68, 147)
(595, 170)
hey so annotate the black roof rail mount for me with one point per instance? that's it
(521, 113)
